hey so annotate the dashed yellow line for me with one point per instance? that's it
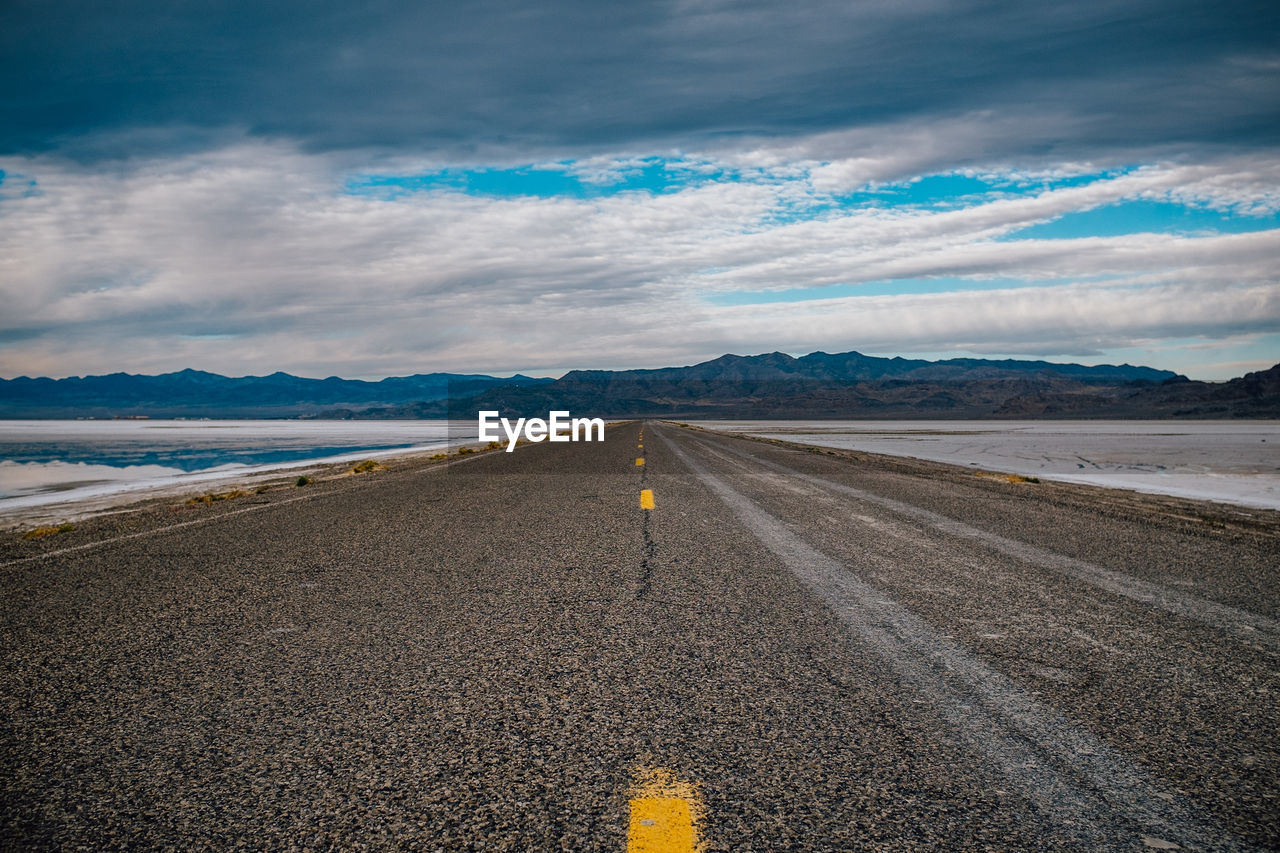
(660, 825)
(646, 499)
(639, 461)
(664, 815)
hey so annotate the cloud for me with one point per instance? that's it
(469, 80)
(179, 179)
(1068, 319)
(252, 258)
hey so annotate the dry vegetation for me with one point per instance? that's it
(42, 532)
(1008, 478)
(212, 497)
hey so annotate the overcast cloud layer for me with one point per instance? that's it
(573, 76)
(256, 187)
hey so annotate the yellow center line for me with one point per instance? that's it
(639, 461)
(664, 811)
(646, 499)
(660, 825)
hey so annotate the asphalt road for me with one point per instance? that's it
(790, 651)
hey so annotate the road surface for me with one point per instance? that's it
(671, 640)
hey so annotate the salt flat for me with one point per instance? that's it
(65, 469)
(1228, 461)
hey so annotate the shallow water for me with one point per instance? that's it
(44, 462)
(1228, 461)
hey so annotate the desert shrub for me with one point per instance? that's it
(302, 481)
(1008, 478)
(366, 466)
(217, 496)
(42, 532)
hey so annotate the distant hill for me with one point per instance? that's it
(818, 385)
(195, 393)
(824, 385)
(1254, 395)
(854, 366)
(771, 385)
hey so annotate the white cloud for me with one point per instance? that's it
(603, 170)
(252, 259)
(1090, 316)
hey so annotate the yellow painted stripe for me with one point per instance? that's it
(665, 813)
(660, 825)
(639, 461)
(646, 499)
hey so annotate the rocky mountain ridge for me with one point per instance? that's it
(769, 385)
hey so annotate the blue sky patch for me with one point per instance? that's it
(555, 180)
(952, 190)
(1139, 217)
(517, 182)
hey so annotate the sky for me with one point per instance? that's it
(386, 188)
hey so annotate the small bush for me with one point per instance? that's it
(302, 481)
(435, 457)
(1008, 478)
(41, 532)
(463, 451)
(217, 496)
(366, 466)
(494, 445)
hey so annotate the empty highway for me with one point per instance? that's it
(671, 640)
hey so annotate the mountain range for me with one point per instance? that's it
(195, 393)
(771, 385)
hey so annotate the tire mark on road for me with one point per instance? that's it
(1095, 794)
(1252, 627)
